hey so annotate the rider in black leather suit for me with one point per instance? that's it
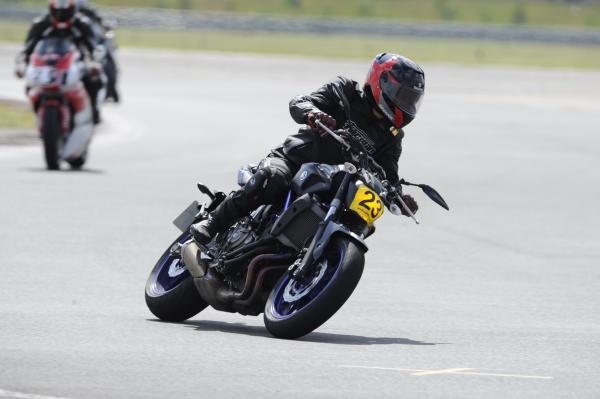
(109, 62)
(389, 101)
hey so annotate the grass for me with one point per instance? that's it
(353, 47)
(524, 12)
(16, 116)
(365, 47)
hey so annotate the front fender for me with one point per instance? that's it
(335, 229)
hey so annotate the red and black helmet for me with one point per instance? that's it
(62, 13)
(396, 85)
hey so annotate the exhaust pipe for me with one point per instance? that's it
(227, 295)
(215, 292)
(191, 256)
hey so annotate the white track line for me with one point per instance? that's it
(20, 395)
(461, 371)
(447, 371)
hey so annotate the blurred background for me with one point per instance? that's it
(546, 33)
(528, 33)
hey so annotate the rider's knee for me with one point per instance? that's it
(257, 182)
(266, 185)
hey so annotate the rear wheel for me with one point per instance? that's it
(170, 291)
(295, 308)
(51, 137)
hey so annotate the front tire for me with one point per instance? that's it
(170, 291)
(51, 137)
(291, 312)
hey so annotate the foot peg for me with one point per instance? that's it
(205, 190)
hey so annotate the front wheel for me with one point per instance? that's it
(170, 291)
(295, 308)
(51, 137)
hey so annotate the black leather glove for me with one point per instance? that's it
(20, 65)
(325, 119)
(410, 203)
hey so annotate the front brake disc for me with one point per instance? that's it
(296, 290)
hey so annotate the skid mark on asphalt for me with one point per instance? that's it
(20, 395)
(453, 371)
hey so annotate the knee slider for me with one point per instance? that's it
(258, 181)
(279, 179)
(277, 186)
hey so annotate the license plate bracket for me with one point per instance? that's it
(187, 217)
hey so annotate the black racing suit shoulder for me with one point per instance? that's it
(343, 99)
(328, 98)
(80, 31)
(92, 14)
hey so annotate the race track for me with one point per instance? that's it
(499, 298)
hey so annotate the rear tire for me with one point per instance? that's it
(51, 137)
(178, 305)
(172, 298)
(321, 304)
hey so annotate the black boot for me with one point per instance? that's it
(204, 231)
(96, 115)
(93, 86)
(219, 220)
(114, 94)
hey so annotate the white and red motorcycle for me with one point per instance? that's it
(59, 99)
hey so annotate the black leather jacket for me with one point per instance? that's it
(81, 32)
(341, 98)
(92, 14)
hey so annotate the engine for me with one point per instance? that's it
(239, 235)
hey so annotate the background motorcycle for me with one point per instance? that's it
(106, 34)
(58, 97)
(297, 262)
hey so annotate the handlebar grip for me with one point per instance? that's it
(378, 168)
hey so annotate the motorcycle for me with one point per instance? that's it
(106, 34)
(60, 101)
(296, 262)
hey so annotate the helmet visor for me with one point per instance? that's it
(408, 99)
(63, 14)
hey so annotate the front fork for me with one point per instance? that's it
(308, 255)
(45, 100)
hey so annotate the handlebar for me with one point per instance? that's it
(20, 65)
(390, 195)
(335, 136)
(356, 148)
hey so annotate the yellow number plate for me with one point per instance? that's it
(367, 204)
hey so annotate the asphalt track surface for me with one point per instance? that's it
(498, 298)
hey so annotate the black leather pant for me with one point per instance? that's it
(269, 185)
(92, 86)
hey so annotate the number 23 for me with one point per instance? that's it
(366, 203)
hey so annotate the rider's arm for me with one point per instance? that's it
(325, 99)
(88, 38)
(92, 14)
(388, 158)
(34, 35)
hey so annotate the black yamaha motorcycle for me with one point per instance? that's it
(297, 262)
